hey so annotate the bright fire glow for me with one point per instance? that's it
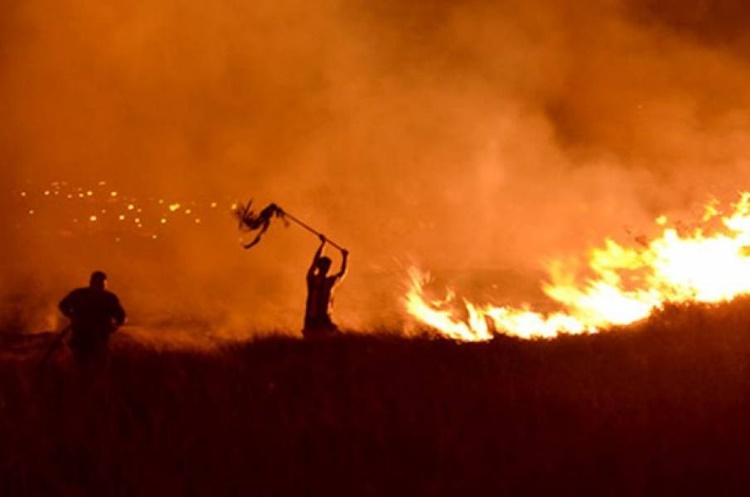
(619, 285)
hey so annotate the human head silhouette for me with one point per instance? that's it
(323, 264)
(98, 280)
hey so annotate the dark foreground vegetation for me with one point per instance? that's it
(659, 409)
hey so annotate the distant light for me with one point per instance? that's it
(131, 207)
(92, 218)
(113, 194)
(197, 221)
(154, 237)
(174, 207)
(161, 200)
(122, 217)
(89, 193)
(188, 211)
(163, 220)
(137, 220)
(23, 194)
(102, 183)
(31, 211)
(213, 205)
(46, 193)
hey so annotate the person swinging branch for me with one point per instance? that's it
(320, 286)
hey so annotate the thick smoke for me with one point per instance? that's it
(459, 135)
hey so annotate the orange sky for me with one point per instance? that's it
(456, 135)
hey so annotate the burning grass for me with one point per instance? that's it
(658, 408)
(613, 284)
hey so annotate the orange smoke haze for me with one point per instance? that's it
(468, 137)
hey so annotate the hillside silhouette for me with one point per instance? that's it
(658, 408)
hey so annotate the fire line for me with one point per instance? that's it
(707, 263)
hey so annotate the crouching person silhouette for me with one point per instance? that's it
(320, 287)
(95, 314)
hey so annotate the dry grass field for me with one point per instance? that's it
(662, 408)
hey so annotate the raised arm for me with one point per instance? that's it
(311, 271)
(344, 264)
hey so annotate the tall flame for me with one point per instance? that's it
(707, 263)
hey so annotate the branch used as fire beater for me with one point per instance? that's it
(249, 221)
(57, 342)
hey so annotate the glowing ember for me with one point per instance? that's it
(709, 263)
(103, 206)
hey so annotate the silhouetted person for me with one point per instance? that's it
(95, 314)
(320, 288)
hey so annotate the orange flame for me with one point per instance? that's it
(709, 263)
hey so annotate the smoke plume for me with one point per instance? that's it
(459, 135)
